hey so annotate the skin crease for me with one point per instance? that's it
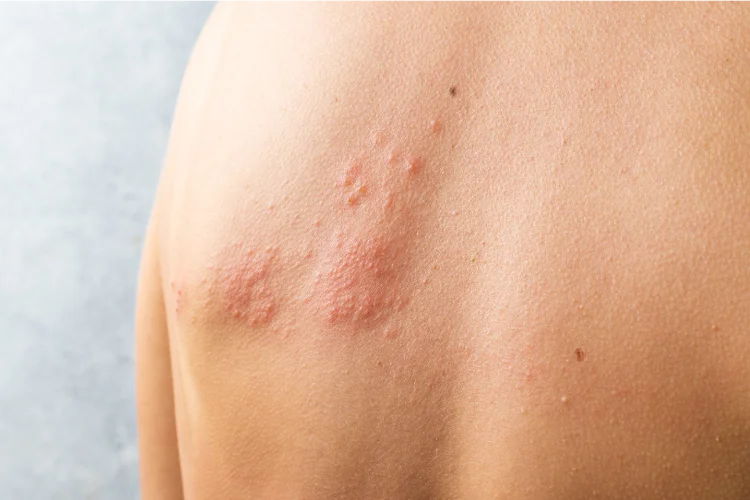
(452, 251)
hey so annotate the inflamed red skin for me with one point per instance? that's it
(356, 259)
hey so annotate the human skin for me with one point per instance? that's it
(452, 251)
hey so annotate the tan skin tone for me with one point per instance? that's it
(452, 251)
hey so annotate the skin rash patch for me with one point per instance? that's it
(359, 276)
(358, 283)
(242, 285)
(355, 254)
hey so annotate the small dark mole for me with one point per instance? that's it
(452, 91)
(580, 355)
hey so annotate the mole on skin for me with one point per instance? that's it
(580, 355)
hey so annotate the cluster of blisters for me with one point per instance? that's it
(359, 276)
(359, 283)
(352, 184)
(358, 247)
(244, 286)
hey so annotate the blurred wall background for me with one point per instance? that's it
(86, 98)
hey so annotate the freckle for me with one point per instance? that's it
(452, 91)
(580, 355)
(436, 126)
(362, 189)
(414, 164)
(435, 266)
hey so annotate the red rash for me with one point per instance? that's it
(352, 184)
(356, 284)
(358, 272)
(358, 280)
(245, 290)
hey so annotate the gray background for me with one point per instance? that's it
(86, 98)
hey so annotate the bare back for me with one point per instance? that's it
(442, 251)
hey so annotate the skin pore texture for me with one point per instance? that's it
(442, 251)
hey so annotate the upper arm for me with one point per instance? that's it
(159, 462)
(157, 437)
